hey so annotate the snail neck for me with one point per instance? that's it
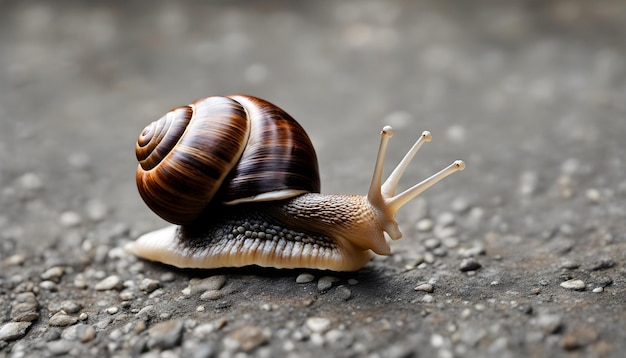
(349, 218)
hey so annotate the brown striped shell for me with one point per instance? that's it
(229, 149)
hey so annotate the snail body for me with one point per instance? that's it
(250, 196)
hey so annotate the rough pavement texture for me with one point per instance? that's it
(522, 254)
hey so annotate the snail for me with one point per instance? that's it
(238, 177)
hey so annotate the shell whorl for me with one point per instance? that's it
(233, 149)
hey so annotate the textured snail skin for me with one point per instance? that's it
(252, 199)
(331, 232)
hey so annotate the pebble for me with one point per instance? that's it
(112, 310)
(30, 182)
(62, 319)
(210, 295)
(549, 323)
(460, 205)
(343, 293)
(446, 218)
(81, 332)
(248, 338)
(425, 225)
(70, 219)
(469, 264)
(14, 260)
(25, 307)
(305, 278)
(146, 313)
(53, 274)
(149, 285)
(68, 306)
(205, 284)
(48, 285)
(570, 265)
(598, 290)
(318, 324)
(96, 210)
(425, 287)
(593, 195)
(325, 283)
(109, 283)
(432, 243)
(165, 335)
(13, 330)
(573, 284)
(602, 265)
(428, 298)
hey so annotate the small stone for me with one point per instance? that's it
(573, 284)
(343, 293)
(13, 330)
(450, 242)
(25, 307)
(30, 182)
(210, 295)
(425, 287)
(60, 347)
(432, 243)
(14, 260)
(460, 205)
(598, 290)
(148, 285)
(250, 337)
(446, 218)
(579, 338)
(425, 225)
(469, 264)
(112, 310)
(53, 274)
(165, 335)
(593, 195)
(318, 324)
(110, 283)
(62, 319)
(205, 284)
(352, 281)
(96, 210)
(83, 316)
(48, 285)
(570, 265)
(550, 323)
(325, 283)
(146, 313)
(603, 265)
(70, 219)
(305, 278)
(428, 299)
(80, 332)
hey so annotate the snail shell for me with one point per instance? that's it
(240, 177)
(235, 149)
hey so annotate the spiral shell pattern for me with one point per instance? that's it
(234, 149)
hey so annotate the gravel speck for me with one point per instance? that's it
(573, 284)
(425, 225)
(81, 332)
(428, 299)
(305, 278)
(469, 264)
(343, 293)
(112, 282)
(165, 335)
(570, 265)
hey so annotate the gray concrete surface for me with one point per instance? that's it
(532, 95)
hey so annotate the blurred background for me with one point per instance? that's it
(531, 94)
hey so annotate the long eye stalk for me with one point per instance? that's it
(382, 196)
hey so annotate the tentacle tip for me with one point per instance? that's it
(387, 131)
(427, 136)
(459, 165)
